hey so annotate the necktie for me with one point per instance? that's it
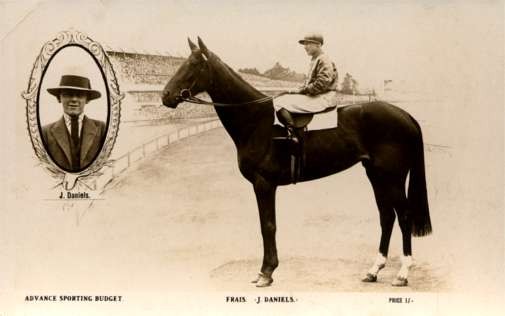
(76, 148)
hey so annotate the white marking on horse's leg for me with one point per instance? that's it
(371, 276)
(403, 274)
(262, 280)
(380, 262)
(407, 262)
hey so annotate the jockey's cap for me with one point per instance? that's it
(312, 38)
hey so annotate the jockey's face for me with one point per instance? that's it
(312, 48)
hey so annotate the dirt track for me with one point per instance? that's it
(189, 218)
(185, 219)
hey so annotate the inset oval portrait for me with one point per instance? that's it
(73, 106)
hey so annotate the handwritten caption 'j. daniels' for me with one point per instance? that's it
(73, 298)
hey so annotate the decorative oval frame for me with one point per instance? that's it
(48, 51)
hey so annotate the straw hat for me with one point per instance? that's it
(74, 82)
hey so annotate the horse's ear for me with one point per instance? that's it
(192, 45)
(203, 48)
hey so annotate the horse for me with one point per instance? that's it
(384, 138)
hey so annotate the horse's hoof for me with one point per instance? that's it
(257, 279)
(400, 282)
(262, 280)
(369, 278)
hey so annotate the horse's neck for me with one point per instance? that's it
(248, 125)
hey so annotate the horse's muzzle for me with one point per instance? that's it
(170, 101)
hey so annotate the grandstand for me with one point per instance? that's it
(139, 68)
(142, 77)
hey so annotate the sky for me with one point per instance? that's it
(426, 44)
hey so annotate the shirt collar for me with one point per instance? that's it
(67, 119)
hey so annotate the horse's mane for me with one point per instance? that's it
(232, 73)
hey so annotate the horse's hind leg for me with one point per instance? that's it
(390, 196)
(384, 200)
(265, 197)
(405, 221)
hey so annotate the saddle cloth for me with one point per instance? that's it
(301, 103)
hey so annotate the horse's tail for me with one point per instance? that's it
(417, 192)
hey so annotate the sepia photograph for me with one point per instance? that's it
(245, 158)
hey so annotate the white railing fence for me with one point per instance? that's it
(124, 162)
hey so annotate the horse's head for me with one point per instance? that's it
(191, 78)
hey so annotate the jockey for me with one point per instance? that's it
(322, 77)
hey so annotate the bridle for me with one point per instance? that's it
(185, 94)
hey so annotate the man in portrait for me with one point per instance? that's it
(75, 139)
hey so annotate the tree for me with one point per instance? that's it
(347, 84)
(277, 72)
(355, 86)
(252, 71)
(350, 85)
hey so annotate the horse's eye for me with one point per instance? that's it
(194, 62)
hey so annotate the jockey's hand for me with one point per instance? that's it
(295, 91)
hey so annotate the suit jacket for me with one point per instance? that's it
(322, 77)
(57, 140)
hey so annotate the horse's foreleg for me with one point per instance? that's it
(265, 197)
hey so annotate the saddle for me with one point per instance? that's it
(296, 126)
(299, 120)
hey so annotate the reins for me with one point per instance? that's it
(185, 95)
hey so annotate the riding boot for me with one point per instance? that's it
(286, 118)
(293, 134)
(300, 151)
(296, 135)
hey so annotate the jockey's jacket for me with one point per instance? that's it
(322, 76)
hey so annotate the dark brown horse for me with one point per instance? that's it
(384, 138)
